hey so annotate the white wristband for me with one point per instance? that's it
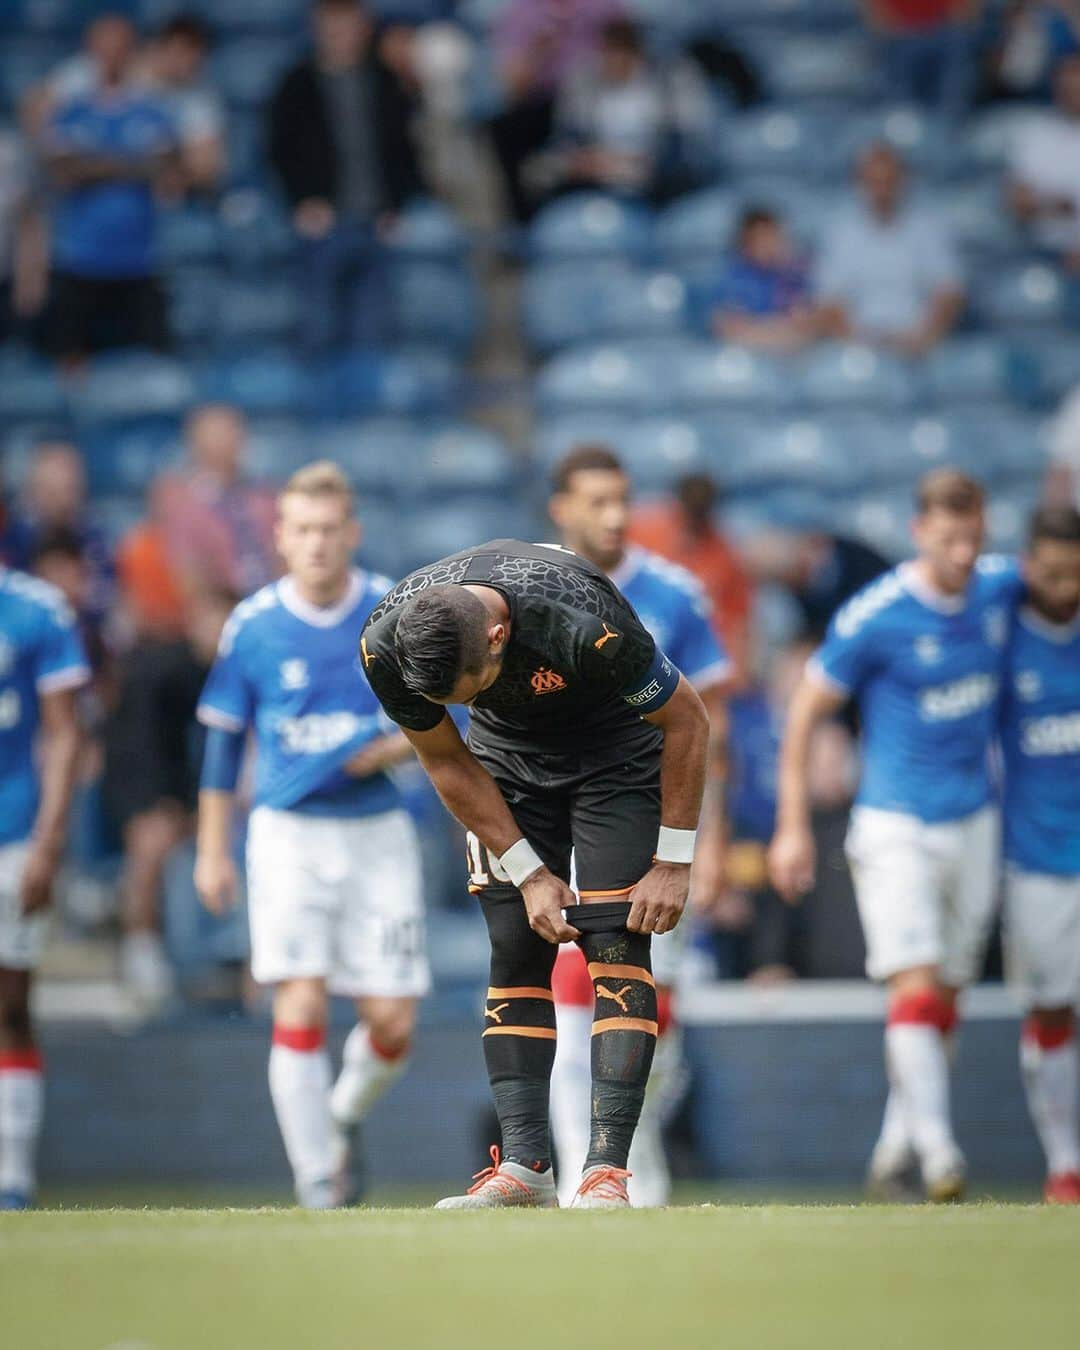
(675, 846)
(520, 861)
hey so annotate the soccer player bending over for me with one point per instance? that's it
(922, 651)
(41, 666)
(1040, 736)
(583, 737)
(333, 871)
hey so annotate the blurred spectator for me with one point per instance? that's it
(174, 67)
(151, 776)
(340, 140)
(217, 527)
(684, 531)
(762, 298)
(54, 501)
(927, 49)
(819, 570)
(1044, 168)
(22, 240)
(624, 124)
(80, 75)
(1032, 37)
(106, 150)
(888, 272)
(538, 43)
(1063, 484)
(59, 558)
(152, 596)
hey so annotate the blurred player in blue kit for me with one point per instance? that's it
(590, 506)
(922, 650)
(42, 665)
(333, 869)
(1040, 738)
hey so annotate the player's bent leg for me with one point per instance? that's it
(623, 1041)
(519, 1049)
(300, 1090)
(22, 1094)
(650, 1178)
(921, 1017)
(1050, 1068)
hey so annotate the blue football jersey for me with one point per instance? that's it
(40, 653)
(673, 606)
(926, 671)
(290, 671)
(1040, 741)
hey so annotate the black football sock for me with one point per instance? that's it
(519, 1030)
(624, 1027)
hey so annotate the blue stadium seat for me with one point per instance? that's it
(117, 515)
(848, 374)
(614, 377)
(194, 301)
(23, 62)
(463, 460)
(1052, 358)
(251, 16)
(56, 18)
(1026, 295)
(369, 384)
(188, 235)
(698, 226)
(806, 209)
(838, 66)
(590, 225)
(437, 531)
(255, 232)
(381, 455)
(970, 369)
(245, 148)
(575, 302)
(1005, 445)
(425, 229)
(382, 546)
(277, 447)
(18, 442)
(557, 436)
(1008, 516)
(271, 383)
(796, 453)
(924, 141)
(708, 375)
(257, 312)
(774, 141)
(883, 522)
(888, 452)
(124, 459)
(658, 451)
(979, 220)
(247, 70)
(984, 143)
(433, 302)
(125, 385)
(30, 390)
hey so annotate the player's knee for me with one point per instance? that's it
(391, 1024)
(1050, 1028)
(919, 979)
(300, 1003)
(519, 957)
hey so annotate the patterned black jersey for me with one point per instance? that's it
(579, 668)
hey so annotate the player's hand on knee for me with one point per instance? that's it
(37, 882)
(658, 900)
(215, 881)
(792, 862)
(545, 899)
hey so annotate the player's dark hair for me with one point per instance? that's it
(623, 34)
(751, 218)
(1060, 523)
(589, 458)
(441, 635)
(188, 28)
(949, 490)
(698, 495)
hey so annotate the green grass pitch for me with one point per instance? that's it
(767, 1277)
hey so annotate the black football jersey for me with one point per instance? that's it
(577, 665)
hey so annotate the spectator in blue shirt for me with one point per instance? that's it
(762, 299)
(106, 149)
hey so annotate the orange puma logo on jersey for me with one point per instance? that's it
(368, 656)
(547, 681)
(493, 1013)
(619, 998)
(609, 633)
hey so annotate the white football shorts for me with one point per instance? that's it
(926, 893)
(1042, 938)
(22, 939)
(337, 899)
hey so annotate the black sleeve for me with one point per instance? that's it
(401, 705)
(615, 651)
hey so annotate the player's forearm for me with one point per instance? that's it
(684, 759)
(214, 834)
(472, 796)
(792, 794)
(60, 756)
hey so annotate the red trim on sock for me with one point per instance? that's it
(387, 1053)
(665, 1013)
(28, 1060)
(1048, 1037)
(953, 1017)
(571, 983)
(923, 1007)
(300, 1038)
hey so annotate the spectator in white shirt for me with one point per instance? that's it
(888, 273)
(1044, 168)
(174, 66)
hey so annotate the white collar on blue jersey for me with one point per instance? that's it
(1053, 632)
(627, 570)
(927, 595)
(317, 615)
